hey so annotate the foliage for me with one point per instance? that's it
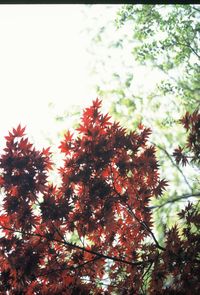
(94, 233)
(168, 37)
(146, 68)
(191, 124)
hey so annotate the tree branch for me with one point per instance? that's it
(196, 8)
(68, 267)
(174, 164)
(145, 225)
(185, 196)
(68, 244)
(187, 44)
(142, 223)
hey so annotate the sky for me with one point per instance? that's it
(43, 60)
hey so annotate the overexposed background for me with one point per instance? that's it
(43, 61)
(45, 65)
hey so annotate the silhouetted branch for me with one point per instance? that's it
(196, 8)
(142, 223)
(174, 164)
(185, 196)
(75, 246)
(67, 268)
(145, 225)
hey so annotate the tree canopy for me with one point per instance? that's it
(123, 216)
(146, 69)
(94, 233)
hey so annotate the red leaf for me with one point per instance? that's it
(161, 187)
(2, 181)
(19, 132)
(186, 120)
(96, 103)
(46, 151)
(179, 156)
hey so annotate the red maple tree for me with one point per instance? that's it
(108, 178)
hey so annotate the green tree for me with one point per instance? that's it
(168, 37)
(146, 67)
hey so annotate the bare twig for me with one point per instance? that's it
(174, 164)
(185, 196)
(196, 8)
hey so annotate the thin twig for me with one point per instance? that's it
(143, 276)
(68, 267)
(186, 196)
(196, 8)
(174, 164)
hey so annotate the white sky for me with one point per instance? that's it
(42, 60)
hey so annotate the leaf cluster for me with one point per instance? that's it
(108, 178)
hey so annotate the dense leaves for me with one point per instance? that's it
(155, 80)
(93, 233)
(192, 125)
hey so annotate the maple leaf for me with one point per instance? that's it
(9, 137)
(23, 144)
(160, 187)
(186, 120)
(105, 120)
(4, 219)
(68, 136)
(14, 190)
(46, 151)
(19, 132)
(55, 238)
(179, 156)
(96, 103)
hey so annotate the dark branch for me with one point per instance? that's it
(68, 244)
(145, 225)
(185, 196)
(174, 164)
(67, 268)
(142, 223)
(196, 8)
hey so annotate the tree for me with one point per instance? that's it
(168, 38)
(146, 68)
(94, 233)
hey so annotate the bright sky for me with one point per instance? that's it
(42, 60)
